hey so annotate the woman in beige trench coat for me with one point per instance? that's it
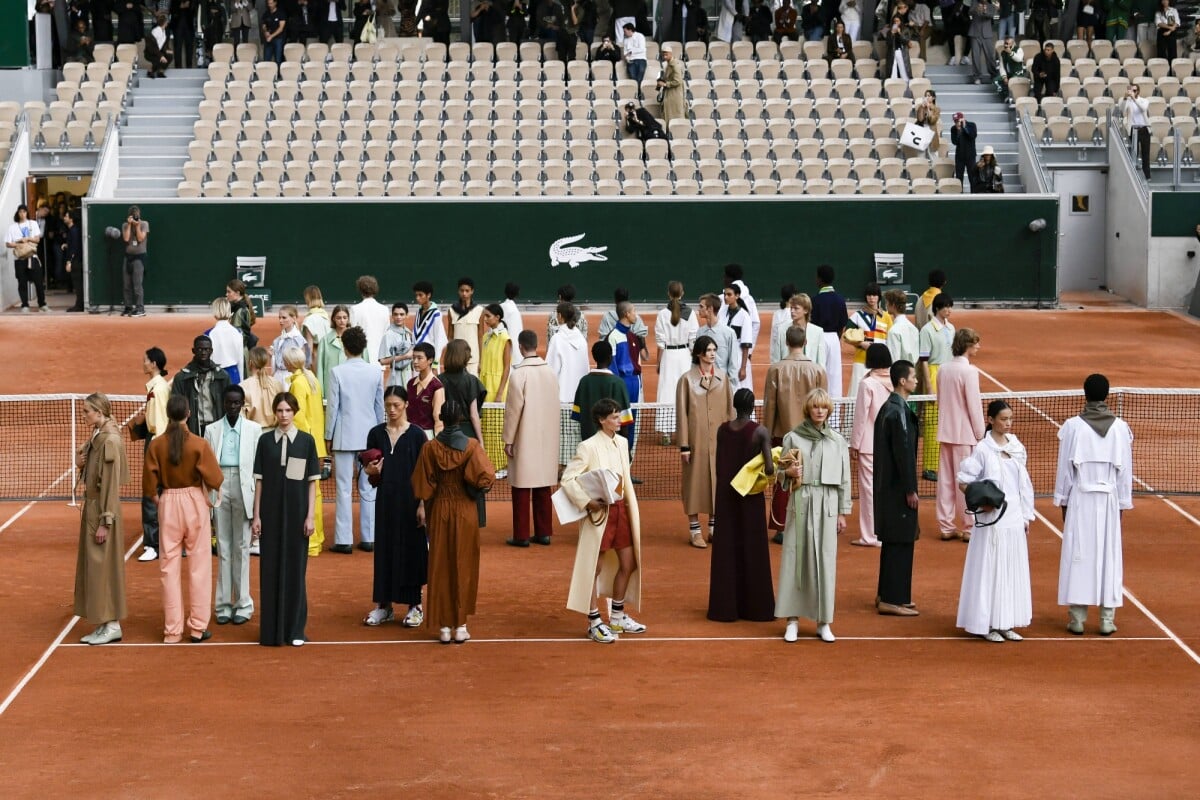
(703, 402)
(100, 568)
(674, 103)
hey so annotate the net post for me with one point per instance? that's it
(71, 454)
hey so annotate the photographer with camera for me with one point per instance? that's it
(962, 136)
(608, 51)
(134, 233)
(1047, 72)
(1135, 111)
(1010, 63)
(990, 179)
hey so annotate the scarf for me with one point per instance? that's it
(457, 308)
(1098, 417)
(453, 438)
(806, 430)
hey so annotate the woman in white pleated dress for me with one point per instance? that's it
(996, 595)
(674, 333)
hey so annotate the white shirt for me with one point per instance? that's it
(903, 340)
(1168, 17)
(512, 321)
(634, 47)
(160, 36)
(227, 345)
(374, 318)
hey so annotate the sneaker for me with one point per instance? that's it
(1012, 635)
(601, 633)
(994, 636)
(623, 623)
(24, 309)
(141, 312)
(108, 633)
(460, 635)
(825, 634)
(378, 616)
(127, 312)
(501, 474)
(414, 618)
(88, 637)
(297, 643)
(792, 632)
(148, 554)
(44, 309)
(444, 636)
(254, 548)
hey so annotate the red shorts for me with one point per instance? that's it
(617, 533)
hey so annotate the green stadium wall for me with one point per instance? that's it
(1175, 214)
(984, 245)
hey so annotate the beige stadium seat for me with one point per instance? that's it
(633, 187)
(924, 186)
(241, 189)
(294, 188)
(686, 187)
(949, 186)
(871, 186)
(711, 187)
(738, 186)
(897, 186)
(817, 186)
(791, 186)
(215, 189)
(837, 168)
(607, 187)
(844, 186)
(188, 189)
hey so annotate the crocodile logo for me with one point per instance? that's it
(560, 254)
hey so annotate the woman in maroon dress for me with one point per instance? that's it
(740, 584)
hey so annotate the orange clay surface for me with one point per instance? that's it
(908, 708)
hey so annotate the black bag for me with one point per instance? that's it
(985, 494)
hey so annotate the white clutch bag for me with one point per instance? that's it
(916, 136)
(599, 484)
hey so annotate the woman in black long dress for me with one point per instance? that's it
(286, 471)
(740, 584)
(401, 547)
(468, 391)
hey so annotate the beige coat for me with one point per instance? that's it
(531, 413)
(599, 452)
(788, 383)
(699, 411)
(100, 568)
(674, 98)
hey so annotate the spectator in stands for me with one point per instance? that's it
(839, 44)
(829, 313)
(1009, 10)
(920, 19)
(370, 314)
(983, 43)
(408, 18)
(810, 21)
(215, 20)
(1047, 72)
(607, 51)
(514, 22)
(183, 32)
(957, 19)
(531, 443)
(758, 22)
(129, 21)
(203, 384)
(465, 316)
(930, 115)
(566, 294)
(671, 86)
(642, 124)
(962, 136)
(1135, 112)
(102, 20)
(555, 26)
(385, 10)
(135, 232)
(1166, 21)
(1040, 13)
(633, 46)
(157, 53)
(896, 38)
(851, 18)
(989, 177)
(584, 15)
(302, 24)
(78, 47)
(274, 25)
(239, 21)
(487, 22)
(731, 20)
(903, 337)
(329, 14)
(785, 23)
(1010, 63)
(1086, 20)
(1194, 47)
(632, 12)
(25, 232)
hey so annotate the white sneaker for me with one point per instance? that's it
(254, 549)
(623, 623)
(297, 642)
(148, 554)
(501, 474)
(601, 633)
(825, 634)
(88, 637)
(414, 618)
(110, 632)
(792, 632)
(444, 636)
(460, 634)
(1012, 635)
(994, 636)
(378, 616)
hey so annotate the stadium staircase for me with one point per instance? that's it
(159, 119)
(992, 116)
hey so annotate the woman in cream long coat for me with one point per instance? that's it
(703, 402)
(817, 509)
(601, 451)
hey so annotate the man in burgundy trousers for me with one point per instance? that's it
(531, 431)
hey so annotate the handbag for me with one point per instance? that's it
(370, 457)
(982, 495)
(916, 136)
(25, 250)
(369, 31)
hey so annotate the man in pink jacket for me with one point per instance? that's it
(873, 391)
(960, 427)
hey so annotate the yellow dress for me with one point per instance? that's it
(930, 450)
(311, 420)
(496, 343)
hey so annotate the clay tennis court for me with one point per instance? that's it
(529, 708)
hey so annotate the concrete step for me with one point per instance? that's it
(144, 193)
(177, 139)
(150, 102)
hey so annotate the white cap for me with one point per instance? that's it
(669, 48)
(988, 151)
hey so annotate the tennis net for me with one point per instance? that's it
(41, 433)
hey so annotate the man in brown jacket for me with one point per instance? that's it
(531, 431)
(789, 381)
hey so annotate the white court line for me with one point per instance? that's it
(31, 504)
(670, 639)
(8, 701)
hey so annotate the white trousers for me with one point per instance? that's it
(344, 465)
(233, 548)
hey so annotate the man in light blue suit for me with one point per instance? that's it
(354, 405)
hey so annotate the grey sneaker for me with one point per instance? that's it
(108, 633)
(414, 618)
(378, 616)
(601, 633)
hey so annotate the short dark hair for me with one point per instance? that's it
(785, 294)
(872, 288)
(602, 353)
(795, 336)
(734, 272)
(937, 278)
(425, 349)
(354, 340)
(202, 339)
(453, 412)
(399, 306)
(620, 295)
(158, 358)
(700, 347)
(566, 292)
(743, 400)
(527, 340)
(1095, 388)
(941, 301)
(424, 287)
(286, 397)
(464, 281)
(604, 407)
(511, 291)
(825, 274)
(628, 26)
(396, 391)
(900, 370)
(17, 213)
(568, 312)
(233, 388)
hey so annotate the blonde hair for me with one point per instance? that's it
(290, 310)
(313, 297)
(293, 359)
(817, 398)
(802, 300)
(221, 309)
(98, 401)
(964, 340)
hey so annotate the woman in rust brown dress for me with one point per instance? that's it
(451, 472)
(100, 568)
